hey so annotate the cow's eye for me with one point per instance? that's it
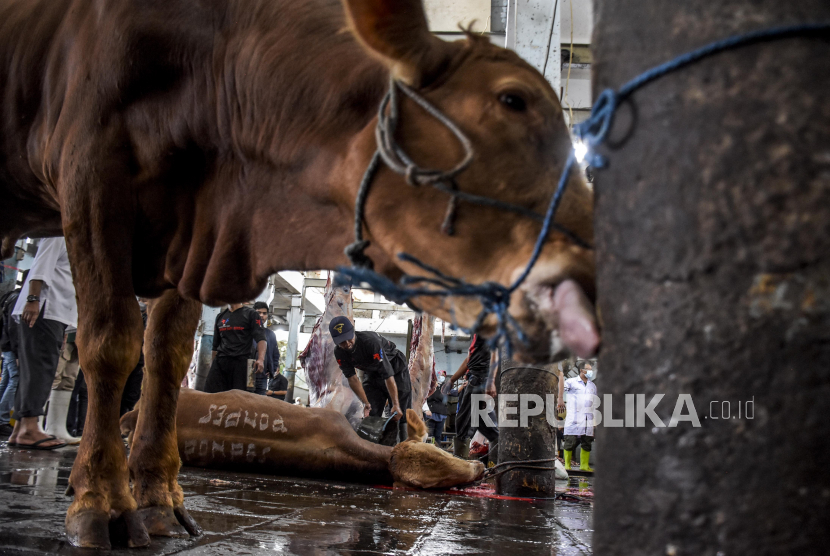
(513, 102)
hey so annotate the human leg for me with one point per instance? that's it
(4, 379)
(405, 400)
(570, 443)
(76, 416)
(461, 441)
(377, 395)
(261, 382)
(9, 386)
(585, 452)
(237, 369)
(491, 433)
(438, 432)
(216, 380)
(39, 352)
(431, 424)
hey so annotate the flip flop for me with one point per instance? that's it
(11, 444)
(37, 445)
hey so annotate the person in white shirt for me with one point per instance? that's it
(579, 419)
(45, 307)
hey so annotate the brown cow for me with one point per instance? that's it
(188, 150)
(245, 432)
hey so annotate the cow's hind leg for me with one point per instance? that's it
(154, 455)
(109, 341)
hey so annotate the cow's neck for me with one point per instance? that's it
(374, 457)
(294, 110)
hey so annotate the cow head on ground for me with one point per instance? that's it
(415, 463)
(127, 424)
(515, 122)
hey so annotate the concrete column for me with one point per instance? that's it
(294, 322)
(203, 362)
(712, 250)
(510, 26)
(533, 31)
(375, 312)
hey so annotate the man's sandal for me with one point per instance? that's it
(37, 445)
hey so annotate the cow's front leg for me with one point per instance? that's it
(109, 342)
(154, 455)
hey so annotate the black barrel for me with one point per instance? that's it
(535, 441)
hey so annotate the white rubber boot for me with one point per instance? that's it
(56, 416)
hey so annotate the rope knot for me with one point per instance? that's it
(357, 256)
(495, 293)
(593, 131)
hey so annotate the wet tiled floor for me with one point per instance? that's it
(250, 514)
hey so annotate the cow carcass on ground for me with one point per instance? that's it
(242, 431)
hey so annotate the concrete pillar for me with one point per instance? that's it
(533, 31)
(203, 362)
(713, 257)
(295, 320)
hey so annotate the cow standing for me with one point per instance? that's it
(188, 150)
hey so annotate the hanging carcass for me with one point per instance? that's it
(327, 387)
(422, 360)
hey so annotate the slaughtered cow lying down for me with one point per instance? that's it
(240, 431)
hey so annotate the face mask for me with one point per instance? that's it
(441, 379)
(591, 375)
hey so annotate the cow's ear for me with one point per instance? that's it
(396, 32)
(415, 428)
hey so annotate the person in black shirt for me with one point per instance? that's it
(235, 329)
(436, 405)
(478, 365)
(272, 352)
(385, 373)
(277, 386)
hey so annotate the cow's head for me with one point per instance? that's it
(515, 122)
(128, 423)
(417, 464)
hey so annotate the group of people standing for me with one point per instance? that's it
(241, 341)
(38, 323)
(35, 319)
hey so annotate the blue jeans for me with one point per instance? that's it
(8, 387)
(261, 383)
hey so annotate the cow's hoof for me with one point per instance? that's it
(162, 522)
(94, 529)
(189, 523)
(89, 529)
(136, 533)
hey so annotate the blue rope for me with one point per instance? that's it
(494, 297)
